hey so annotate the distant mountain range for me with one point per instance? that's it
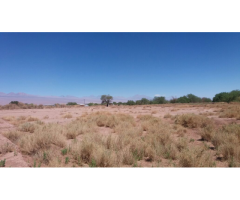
(5, 98)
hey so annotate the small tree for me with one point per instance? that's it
(71, 103)
(205, 99)
(106, 99)
(173, 100)
(159, 100)
(14, 102)
(183, 99)
(130, 102)
(144, 101)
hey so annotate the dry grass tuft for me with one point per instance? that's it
(193, 121)
(13, 135)
(42, 138)
(129, 145)
(167, 115)
(231, 112)
(19, 120)
(196, 157)
(5, 148)
(27, 127)
(226, 140)
(8, 118)
(68, 116)
(31, 119)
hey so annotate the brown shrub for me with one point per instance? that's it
(231, 112)
(5, 148)
(193, 121)
(31, 119)
(196, 157)
(167, 115)
(42, 139)
(13, 135)
(27, 127)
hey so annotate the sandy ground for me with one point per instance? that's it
(56, 115)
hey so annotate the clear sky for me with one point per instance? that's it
(119, 64)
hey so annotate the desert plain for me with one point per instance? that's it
(167, 135)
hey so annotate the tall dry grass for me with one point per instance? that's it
(129, 144)
(19, 120)
(42, 138)
(7, 147)
(231, 112)
(226, 140)
(146, 138)
(196, 157)
(193, 121)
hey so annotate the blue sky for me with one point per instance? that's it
(119, 64)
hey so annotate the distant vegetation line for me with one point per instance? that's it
(233, 96)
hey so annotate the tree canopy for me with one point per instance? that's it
(106, 99)
(227, 96)
(71, 103)
(159, 100)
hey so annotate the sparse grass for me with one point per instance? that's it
(68, 116)
(167, 115)
(19, 120)
(31, 119)
(5, 148)
(226, 140)
(196, 157)
(13, 135)
(231, 112)
(193, 121)
(129, 145)
(2, 163)
(42, 138)
(22, 118)
(64, 151)
(8, 118)
(208, 113)
(66, 160)
(180, 131)
(129, 142)
(27, 127)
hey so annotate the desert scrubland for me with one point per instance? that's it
(167, 135)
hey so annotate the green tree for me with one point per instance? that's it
(144, 101)
(205, 99)
(173, 100)
(120, 103)
(234, 95)
(159, 100)
(138, 102)
(130, 102)
(183, 99)
(221, 97)
(71, 103)
(14, 102)
(193, 98)
(106, 99)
